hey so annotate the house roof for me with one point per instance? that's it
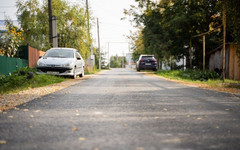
(219, 48)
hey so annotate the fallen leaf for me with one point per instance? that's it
(4, 112)
(3, 142)
(25, 109)
(182, 139)
(30, 126)
(77, 114)
(31, 116)
(125, 125)
(37, 111)
(165, 109)
(201, 106)
(10, 117)
(188, 116)
(16, 108)
(95, 149)
(74, 128)
(229, 109)
(105, 116)
(156, 117)
(217, 127)
(82, 139)
(139, 148)
(199, 118)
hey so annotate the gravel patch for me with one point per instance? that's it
(9, 101)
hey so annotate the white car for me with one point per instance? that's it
(62, 62)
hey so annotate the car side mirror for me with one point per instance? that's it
(40, 57)
(79, 58)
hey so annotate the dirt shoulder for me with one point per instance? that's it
(199, 85)
(9, 101)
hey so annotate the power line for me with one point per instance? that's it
(7, 6)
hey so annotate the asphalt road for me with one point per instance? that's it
(124, 110)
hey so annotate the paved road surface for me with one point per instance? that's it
(125, 110)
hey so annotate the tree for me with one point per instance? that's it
(117, 61)
(168, 27)
(11, 40)
(136, 42)
(71, 25)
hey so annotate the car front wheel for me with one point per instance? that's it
(74, 73)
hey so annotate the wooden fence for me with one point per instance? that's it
(232, 65)
(28, 56)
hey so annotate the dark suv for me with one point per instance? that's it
(146, 62)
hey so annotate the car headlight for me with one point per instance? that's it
(40, 64)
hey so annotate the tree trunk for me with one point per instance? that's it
(190, 53)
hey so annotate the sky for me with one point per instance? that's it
(113, 30)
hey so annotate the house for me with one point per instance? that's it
(232, 63)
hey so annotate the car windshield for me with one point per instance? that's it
(59, 53)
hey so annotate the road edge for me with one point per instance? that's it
(197, 85)
(10, 101)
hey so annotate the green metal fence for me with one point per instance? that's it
(9, 65)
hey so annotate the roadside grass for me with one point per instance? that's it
(209, 78)
(25, 78)
(92, 71)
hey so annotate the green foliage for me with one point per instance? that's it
(11, 40)
(116, 61)
(93, 71)
(167, 27)
(193, 75)
(71, 25)
(211, 79)
(22, 79)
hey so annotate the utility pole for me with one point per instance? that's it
(190, 53)
(123, 60)
(108, 57)
(87, 15)
(204, 50)
(224, 43)
(54, 31)
(50, 21)
(88, 26)
(99, 45)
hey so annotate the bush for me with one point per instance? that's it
(24, 78)
(190, 74)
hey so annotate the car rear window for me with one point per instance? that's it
(147, 57)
